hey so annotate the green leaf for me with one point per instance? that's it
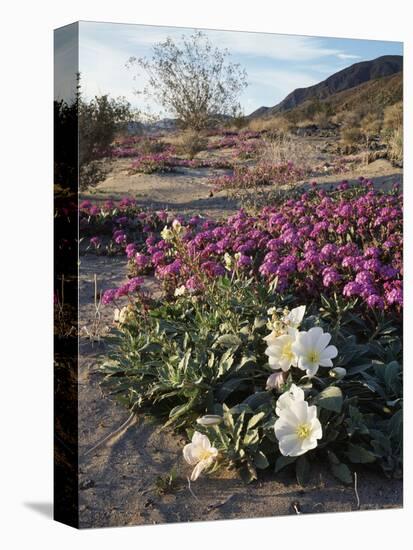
(302, 470)
(260, 460)
(331, 399)
(254, 420)
(342, 472)
(257, 399)
(228, 340)
(251, 438)
(396, 425)
(283, 461)
(392, 376)
(248, 472)
(260, 322)
(227, 388)
(359, 455)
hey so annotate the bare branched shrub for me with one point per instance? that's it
(192, 81)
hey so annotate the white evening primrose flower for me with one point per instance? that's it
(228, 261)
(199, 453)
(177, 227)
(180, 290)
(166, 234)
(275, 381)
(294, 317)
(120, 315)
(210, 420)
(280, 350)
(313, 351)
(293, 395)
(298, 429)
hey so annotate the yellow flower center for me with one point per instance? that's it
(204, 454)
(303, 431)
(313, 356)
(287, 352)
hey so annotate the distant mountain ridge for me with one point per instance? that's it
(347, 78)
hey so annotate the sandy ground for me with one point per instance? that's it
(187, 191)
(118, 481)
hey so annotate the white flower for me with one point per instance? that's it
(313, 351)
(298, 429)
(293, 395)
(166, 234)
(275, 381)
(180, 290)
(294, 317)
(209, 420)
(272, 337)
(280, 350)
(199, 453)
(338, 373)
(120, 315)
(228, 261)
(177, 227)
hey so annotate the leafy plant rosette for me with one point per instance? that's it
(258, 384)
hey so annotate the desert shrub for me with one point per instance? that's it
(148, 146)
(191, 143)
(192, 80)
(98, 120)
(238, 122)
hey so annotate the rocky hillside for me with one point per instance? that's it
(346, 79)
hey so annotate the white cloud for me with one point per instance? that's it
(348, 56)
(276, 64)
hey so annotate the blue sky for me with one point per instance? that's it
(275, 63)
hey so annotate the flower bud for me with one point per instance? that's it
(275, 381)
(210, 420)
(338, 373)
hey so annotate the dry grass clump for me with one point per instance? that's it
(191, 143)
(277, 125)
(395, 145)
(321, 120)
(286, 148)
(370, 127)
(393, 116)
(393, 131)
(350, 138)
(152, 146)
